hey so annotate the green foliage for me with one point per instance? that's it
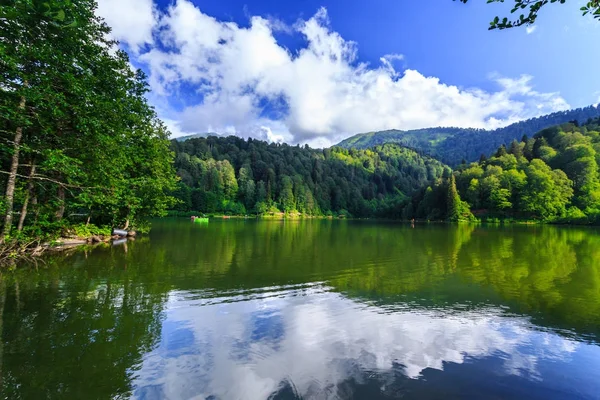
(235, 176)
(532, 8)
(440, 201)
(557, 181)
(261, 207)
(75, 112)
(547, 192)
(85, 231)
(452, 145)
(287, 196)
(453, 202)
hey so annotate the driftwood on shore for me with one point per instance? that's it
(13, 252)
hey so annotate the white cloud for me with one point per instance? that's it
(132, 21)
(530, 29)
(321, 92)
(173, 127)
(388, 62)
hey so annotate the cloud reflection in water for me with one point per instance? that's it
(314, 339)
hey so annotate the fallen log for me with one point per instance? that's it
(119, 232)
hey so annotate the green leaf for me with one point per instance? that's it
(60, 15)
(71, 24)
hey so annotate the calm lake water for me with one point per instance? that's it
(240, 309)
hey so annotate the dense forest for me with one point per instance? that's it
(552, 176)
(453, 145)
(80, 144)
(236, 176)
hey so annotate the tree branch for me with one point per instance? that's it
(43, 178)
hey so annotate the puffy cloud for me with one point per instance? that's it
(132, 21)
(240, 79)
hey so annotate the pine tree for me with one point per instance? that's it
(515, 149)
(453, 201)
(287, 195)
(501, 151)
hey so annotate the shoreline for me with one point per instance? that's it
(298, 216)
(14, 252)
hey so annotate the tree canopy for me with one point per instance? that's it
(232, 175)
(78, 134)
(552, 176)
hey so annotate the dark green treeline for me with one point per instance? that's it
(237, 176)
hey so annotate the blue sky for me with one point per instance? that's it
(315, 72)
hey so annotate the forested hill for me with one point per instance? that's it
(452, 145)
(553, 176)
(237, 176)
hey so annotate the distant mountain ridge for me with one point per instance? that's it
(452, 145)
(195, 136)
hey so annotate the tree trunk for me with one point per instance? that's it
(12, 179)
(28, 195)
(88, 218)
(126, 224)
(61, 208)
(36, 210)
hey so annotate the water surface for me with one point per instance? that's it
(240, 309)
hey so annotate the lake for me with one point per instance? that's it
(318, 309)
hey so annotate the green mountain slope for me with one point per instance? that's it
(452, 145)
(554, 176)
(237, 176)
